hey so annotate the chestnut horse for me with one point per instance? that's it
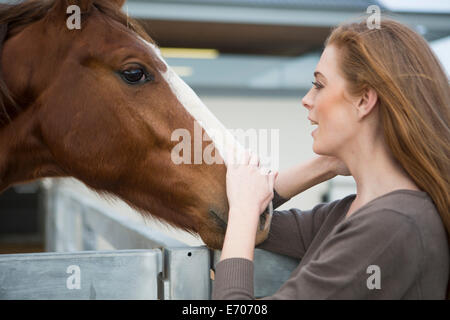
(100, 104)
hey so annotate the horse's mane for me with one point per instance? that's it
(18, 15)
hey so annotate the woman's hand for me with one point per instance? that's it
(249, 190)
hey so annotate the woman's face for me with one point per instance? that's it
(330, 107)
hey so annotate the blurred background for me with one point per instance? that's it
(251, 62)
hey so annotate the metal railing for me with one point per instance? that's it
(143, 263)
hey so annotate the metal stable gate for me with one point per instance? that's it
(143, 263)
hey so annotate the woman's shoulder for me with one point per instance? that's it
(411, 204)
(400, 208)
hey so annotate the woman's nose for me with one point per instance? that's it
(306, 101)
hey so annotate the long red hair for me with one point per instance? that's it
(413, 97)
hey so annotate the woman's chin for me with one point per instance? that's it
(316, 151)
(316, 148)
(319, 150)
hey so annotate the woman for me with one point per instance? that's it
(381, 103)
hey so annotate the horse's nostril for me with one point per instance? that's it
(219, 220)
(262, 220)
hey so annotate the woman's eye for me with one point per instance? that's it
(317, 85)
(136, 76)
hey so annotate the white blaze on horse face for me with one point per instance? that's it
(229, 148)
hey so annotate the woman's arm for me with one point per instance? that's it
(249, 192)
(308, 174)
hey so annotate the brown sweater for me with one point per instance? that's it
(394, 247)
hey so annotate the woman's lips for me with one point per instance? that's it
(314, 123)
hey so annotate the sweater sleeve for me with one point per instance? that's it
(370, 256)
(293, 230)
(278, 200)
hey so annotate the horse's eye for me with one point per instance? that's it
(136, 76)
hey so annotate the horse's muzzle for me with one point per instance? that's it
(264, 219)
(220, 222)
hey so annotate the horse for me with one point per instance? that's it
(100, 104)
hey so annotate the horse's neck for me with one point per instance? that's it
(23, 157)
(11, 142)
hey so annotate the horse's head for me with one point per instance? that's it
(100, 104)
